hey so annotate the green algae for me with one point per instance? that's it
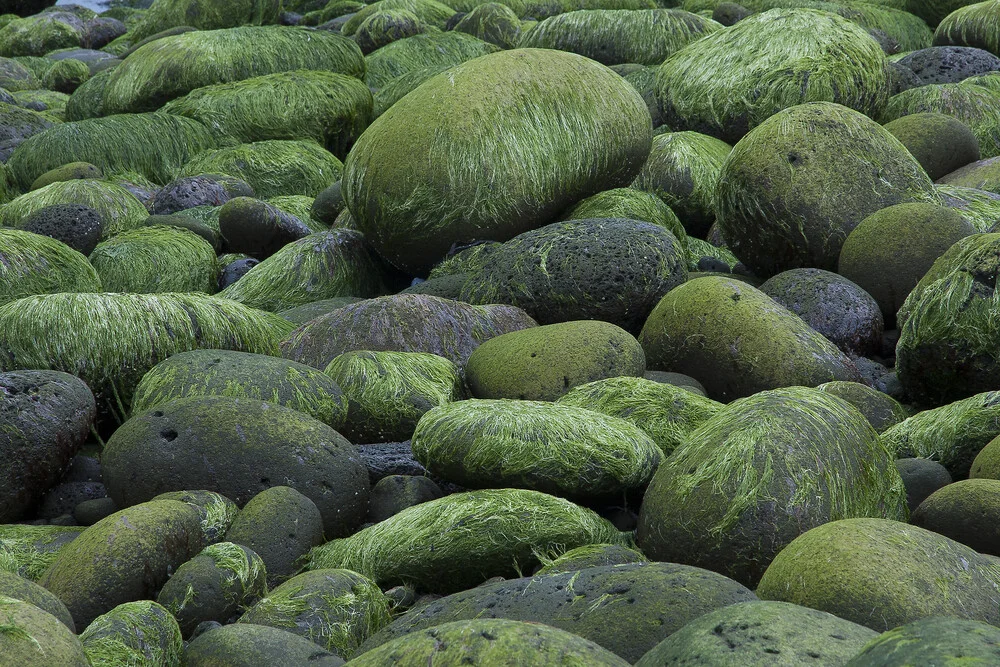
(156, 259)
(32, 264)
(118, 208)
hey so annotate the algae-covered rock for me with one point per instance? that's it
(216, 585)
(745, 483)
(941, 143)
(970, 25)
(257, 228)
(204, 15)
(979, 207)
(216, 511)
(384, 27)
(614, 36)
(31, 636)
(882, 574)
(111, 340)
(389, 392)
(612, 269)
(592, 555)
(336, 609)
(794, 187)
(248, 645)
(665, 412)
(962, 512)
(487, 642)
(949, 64)
(430, 12)
(156, 259)
(331, 109)
(241, 374)
(19, 588)
(324, 265)
(118, 208)
(761, 633)
(933, 640)
(39, 34)
(737, 341)
(543, 363)
(274, 167)
(237, 447)
(549, 146)
(14, 77)
(28, 550)
(559, 449)
(402, 323)
(492, 22)
(65, 76)
(974, 106)
(881, 410)
(87, 101)
(133, 633)
(733, 79)
(921, 477)
(124, 557)
(628, 203)
(17, 125)
(982, 175)
(394, 493)
(308, 311)
(33, 264)
(461, 540)
(397, 88)
(156, 145)
(421, 51)
(67, 172)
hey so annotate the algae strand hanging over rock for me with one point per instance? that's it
(477, 153)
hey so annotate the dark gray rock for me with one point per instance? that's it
(949, 64)
(78, 226)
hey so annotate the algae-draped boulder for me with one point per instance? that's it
(488, 642)
(430, 12)
(881, 410)
(402, 323)
(17, 125)
(577, 130)
(204, 15)
(246, 644)
(665, 412)
(461, 540)
(559, 449)
(336, 609)
(639, 604)
(975, 106)
(31, 636)
(242, 374)
(761, 633)
(736, 340)
(962, 512)
(492, 22)
(746, 482)
(794, 187)
(111, 340)
(155, 145)
(941, 143)
(29, 550)
(730, 81)
(15, 586)
(882, 574)
(174, 66)
(610, 269)
(124, 557)
(272, 167)
(237, 447)
(388, 392)
(934, 640)
(543, 363)
(420, 52)
(156, 259)
(119, 209)
(34, 264)
(982, 175)
(398, 87)
(137, 633)
(952, 434)
(253, 226)
(215, 510)
(331, 109)
(614, 36)
(384, 27)
(592, 555)
(979, 207)
(972, 25)
(37, 35)
(45, 417)
(65, 76)
(628, 203)
(15, 77)
(324, 265)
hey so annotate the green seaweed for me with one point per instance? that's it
(32, 264)
(420, 52)
(134, 633)
(430, 12)
(976, 106)
(156, 259)
(118, 207)
(204, 15)
(627, 203)
(979, 207)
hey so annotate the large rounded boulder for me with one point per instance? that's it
(35, 264)
(31, 637)
(936, 640)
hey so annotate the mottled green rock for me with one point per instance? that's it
(422, 51)
(37, 35)
(28, 550)
(14, 586)
(156, 259)
(592, 555)
(248, 645)
(628, 203)
(204, 15)
(492, 22)
(974, 106)
(32, 264)
(962, 512)
(935, 640)
(133, 633)
(979, 207)
(941, 143)
(216, 511)
(881, 410)
(67, 172)
(31, 636)
(119, 209)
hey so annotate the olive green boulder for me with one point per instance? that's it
(592, 555)
(627, 609)
(970, 24)
(34, 264)
(31, 637)
(667, 413)
(66, 75)
(384, 27)
(882, 574)
(461, 540)
(579, 129)
(938, 640)
(492, 22)
(248, 645)
(15, 586)
(299, 315)
(216, 511)
(881, 410)
(133, 633)
(245, 375)
(795, 186)
(237, 447)
(336, 609)
(421, 51)
(974, 106)
(963, 511)
(980, 207)
(124, 557)
(28, 550)
(559, 449)
(389, 392)
(543, 363)
(15, 76)
(118, 208)
(430, 12)
(37, 35)
(761, 633)
(982, 175)
(746, 482)
(941, 143)
(628, 203)
(921, 477)
(204, 15)
(67, 172)
(156, 259)
(737, 341)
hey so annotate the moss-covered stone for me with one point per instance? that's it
(793, 188)
(430, 12)
(982, 175)
(33, 264)
(610, 269)
(87, 101)
(921, 477)
(386, 26)
(14, 76)
(394, 493)
(67, 75)
(28, 550)
(547, 155)
(979, 207)
(216, 511)
(39, 34)
(133, 633)
(17, 125)
(628, 203)
(626, 609)
(558, 449)
(204, 15)
(118, 208)
(492, 22)
(174, 66)
(737, 341)
(461, 540)
(761, 633)
(745, 483)
(67, 172)
(156, 259)
(973, 25)
(30, 636)
(248, 645)
(308, 311)
(935, 640)
(421, 51)
(941, 143)
(237, 447)
(963, 511)
(592, 555)
(974, 106)
(124, 557)
(14, 586)
(881, 410)
(257, 228)
(882, 574)
(402, 323)
(388, 392)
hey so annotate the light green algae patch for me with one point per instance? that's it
(33, 264)
(118, 207)
(156, 259)
(141, 633)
